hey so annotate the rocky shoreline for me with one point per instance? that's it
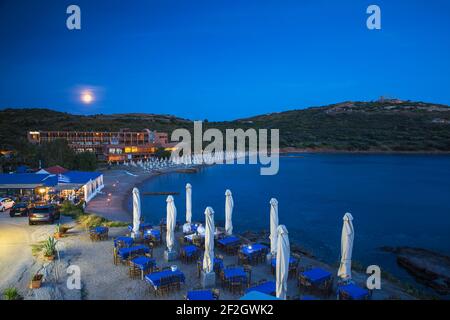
(429, 268)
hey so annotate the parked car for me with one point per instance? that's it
(19, 209)
(5, 204)
(45, 213)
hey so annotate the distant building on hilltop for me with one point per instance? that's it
(117, 146)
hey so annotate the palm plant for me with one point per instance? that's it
(50, 247)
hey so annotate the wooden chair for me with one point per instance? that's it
(248, 270)
(134, 272)
(164, 285)
(236, 285)
(199, 268)
(216, 293)
(115, 257)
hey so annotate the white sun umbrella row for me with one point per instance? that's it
(279, 244)
(279, 239)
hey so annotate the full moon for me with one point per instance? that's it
(87, 97)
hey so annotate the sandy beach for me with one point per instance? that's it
(119, 182)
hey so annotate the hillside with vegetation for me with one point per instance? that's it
(388, 125)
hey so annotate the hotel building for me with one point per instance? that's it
(108, 146)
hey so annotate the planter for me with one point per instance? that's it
(58, 235)
(36, 281)
(50, 258)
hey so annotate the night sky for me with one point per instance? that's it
(220, 59)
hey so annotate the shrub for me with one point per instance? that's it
(11, 294)
(50, 247)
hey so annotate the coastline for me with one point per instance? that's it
(119, 183)
(288, 150)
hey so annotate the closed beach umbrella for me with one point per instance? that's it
(170, 222)
(282, 268)
(228, 212)
(188, 203)
(273, 225)
(348, 234)
(208, 258)
(136, 212)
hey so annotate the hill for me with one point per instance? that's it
(388, 125)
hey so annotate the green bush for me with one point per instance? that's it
(11, 294)
(71, 210)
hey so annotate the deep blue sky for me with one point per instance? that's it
(221, 59)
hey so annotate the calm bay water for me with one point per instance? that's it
(396, 200)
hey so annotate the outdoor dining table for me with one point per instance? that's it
(127, 240)
(235, 272)
(228, 241)
(124, 253)
(250, 250)
(218, 264)
(353, 291)
(266, 287)
(316, 275)
(142, 226)
(143, 263)
(155, 233)
(292, 260)
(155, 278)
(99, 229)
(189, 250)
(200, 295)
(98, 233)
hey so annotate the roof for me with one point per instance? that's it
(56, 170)
(34, 180)
(78, 177)
(27, 180)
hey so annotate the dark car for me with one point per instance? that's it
(44, 213)
(19, 209)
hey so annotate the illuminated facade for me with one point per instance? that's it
(108, 146)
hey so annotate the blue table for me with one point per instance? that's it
(142, 226)
(218, 264)
(316, 275)
(155, 233)
(189, 250)
(353, 291)
(266, 287)
(200, 295)
(230, 240)
(255, 248)
(99, 229)
(127, 240)
(155, 278)
(124, 253)
(292, 260)
(143, 263)
(309, 298)
(237, 272)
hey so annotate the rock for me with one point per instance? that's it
(430, 268)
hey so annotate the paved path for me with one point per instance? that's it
(16, 237)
